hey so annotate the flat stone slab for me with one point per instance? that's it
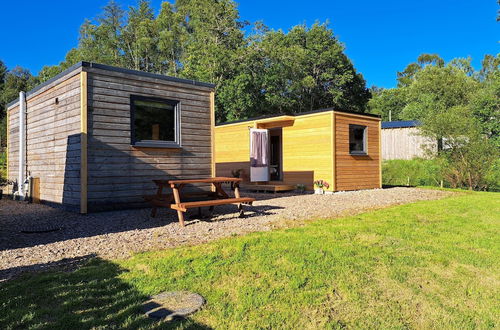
(170, 304)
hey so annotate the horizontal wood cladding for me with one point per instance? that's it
(356, 172)
(119, 174)
(52, 141)
(232, 150)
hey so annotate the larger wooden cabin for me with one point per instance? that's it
(339, 147)
(96, 136)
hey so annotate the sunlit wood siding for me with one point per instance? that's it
(315, 147)
(232, 149)
(405, 143)
(353, 172)
(52, 140)
(307, 150)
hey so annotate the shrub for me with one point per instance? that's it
(414, 172)
(430, 172)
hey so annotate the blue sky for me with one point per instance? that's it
(381, 37)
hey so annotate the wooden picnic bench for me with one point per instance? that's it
(177, 199)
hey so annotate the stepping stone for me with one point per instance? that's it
(167, 305)
(40, 228)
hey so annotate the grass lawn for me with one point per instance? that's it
(433, 264)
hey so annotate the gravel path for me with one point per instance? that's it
(117, 234)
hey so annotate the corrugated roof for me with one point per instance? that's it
(400, 124)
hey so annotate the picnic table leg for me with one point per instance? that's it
(177, 200)
(237, 195)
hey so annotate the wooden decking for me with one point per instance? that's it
(269, 187)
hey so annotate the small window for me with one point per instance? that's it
(154, 122)
(357, 140)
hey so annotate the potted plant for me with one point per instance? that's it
(301, 188)
(319, 185)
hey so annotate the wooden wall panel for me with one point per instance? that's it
(13, 143)
(307, 148)
(405, 143)
(52, 142)
(120, 174)
(232, 149)
(356, 172)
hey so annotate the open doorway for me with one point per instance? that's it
(276, 154)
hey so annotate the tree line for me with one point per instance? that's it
(257, 71)
(459, 107)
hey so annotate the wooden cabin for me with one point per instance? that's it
(342, 148)
(95, 136)
(403, 140)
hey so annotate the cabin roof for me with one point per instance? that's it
(400, 124)
(279, 117)
(115, 69)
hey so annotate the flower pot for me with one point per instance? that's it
(319, 191)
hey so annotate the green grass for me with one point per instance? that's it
(433, 264)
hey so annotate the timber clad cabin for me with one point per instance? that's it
(95, 136)
(402, 140)
(339, 147)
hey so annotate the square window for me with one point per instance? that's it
(357, 140)
(154, 122)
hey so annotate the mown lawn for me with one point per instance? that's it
(432, 264)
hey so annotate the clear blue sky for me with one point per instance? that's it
(381, 37)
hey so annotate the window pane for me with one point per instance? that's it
(357, 139)
(154, 120)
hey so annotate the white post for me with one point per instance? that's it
(22, 144)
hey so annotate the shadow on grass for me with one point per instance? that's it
(92, 296)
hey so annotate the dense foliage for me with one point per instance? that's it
(256, 71)
(458, 106)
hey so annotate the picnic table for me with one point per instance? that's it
(177, 199)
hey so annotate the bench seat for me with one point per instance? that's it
(187, 205)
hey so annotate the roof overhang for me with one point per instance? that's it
(273, 122)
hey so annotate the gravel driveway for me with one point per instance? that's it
(117, 234)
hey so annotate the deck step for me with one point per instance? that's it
(269, 187)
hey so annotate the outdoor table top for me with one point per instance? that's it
(206, 180)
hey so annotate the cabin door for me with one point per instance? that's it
(259, 155)
(275, 154)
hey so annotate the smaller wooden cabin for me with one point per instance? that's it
(342, 148)
(95, 136)
(402, 140)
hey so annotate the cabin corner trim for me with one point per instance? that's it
(83, 142)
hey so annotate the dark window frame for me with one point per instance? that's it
(363, 152)
(157, 143)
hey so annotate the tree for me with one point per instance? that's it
(485, 105)
(11, 83)
(263, 72)
(435, 90)
(388, 103)
(406, 77)
(468, 153)
(302, 70)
